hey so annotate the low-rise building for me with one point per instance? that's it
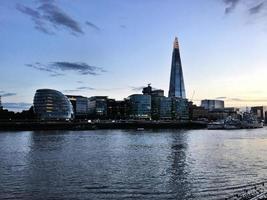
(140, 106)
(180, 108)
(260, 112)
(212, 104)
(80, 106)
(97, 107)
(118, 109)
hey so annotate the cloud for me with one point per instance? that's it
(123, 26)
(7, 94)
(69, 91)
(16, 106)
(48, 17)
(58, 68)
(221, 98)
(90, 24)
(137, 89)
(234, 99)
(256, 9)
(230, 5)
(252, 6)
(85, 88)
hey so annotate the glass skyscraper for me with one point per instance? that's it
(176, 88)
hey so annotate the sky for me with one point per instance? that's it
(116, 47)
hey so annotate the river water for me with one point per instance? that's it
(128, 164)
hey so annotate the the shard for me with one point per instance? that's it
(176, 88)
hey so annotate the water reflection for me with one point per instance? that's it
(163, 164)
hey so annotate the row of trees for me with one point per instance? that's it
(6, 115)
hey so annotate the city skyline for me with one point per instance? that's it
(114, 52)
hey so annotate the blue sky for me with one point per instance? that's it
(114, 47)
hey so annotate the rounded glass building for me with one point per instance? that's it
(52, 105)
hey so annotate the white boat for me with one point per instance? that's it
(215, 125)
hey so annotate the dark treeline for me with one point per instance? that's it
(6, 115)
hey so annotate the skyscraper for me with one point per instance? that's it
(176, 88)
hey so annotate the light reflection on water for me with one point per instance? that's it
(127, 164)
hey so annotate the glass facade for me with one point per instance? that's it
(97, 107)
(176, 88)
(51, 104)
(81, 106)
(140, 106)
(166, 108)
(212, 104)
(180, 108)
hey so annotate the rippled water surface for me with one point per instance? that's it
(126, 164)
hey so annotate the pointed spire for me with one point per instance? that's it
(176, 43)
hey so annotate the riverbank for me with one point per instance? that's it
(85, 125)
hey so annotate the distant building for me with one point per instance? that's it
(152, 92)
(212, 104)
(176, 88)
(97, 107)
(166, 108)
(140, 106)
(118, 109)
(198, 113)
(260, 112)
(1, 107)
(180, 108)
(52, 105)
(80, 106)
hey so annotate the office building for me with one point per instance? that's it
(176, 88)
(118, 109)
(180, 108)
(165, 111)
(212, 104)
(80, 106)
(52, 105)
(260, 112)
(152, 92)
(140, 106)
(97, 107)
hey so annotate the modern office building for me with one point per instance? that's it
(149, 91)
(165, 108)
(118, 109)
(80, 106)
(97, 107)
(212, 104)
(140, 106)
(156, 96)
(260, 112)
(50, 104)
(180, 108)
(176, 88)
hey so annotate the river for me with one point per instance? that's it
(129, 164)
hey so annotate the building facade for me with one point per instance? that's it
(166, 108)
(80, 106)
(180, 109)
(260, 112)
(176, 88)
(212, 104)
(52, 105)
(140, 106)
(118, 109)
(97, 107)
